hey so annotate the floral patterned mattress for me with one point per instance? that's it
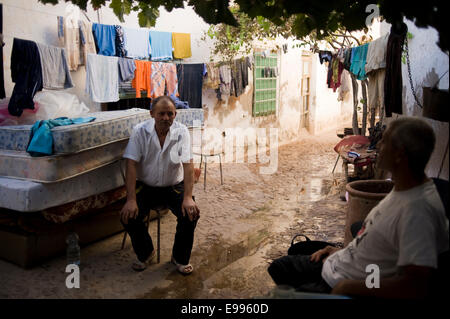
(108, 127)
(48, 169)
(190, 117)
(29, 196)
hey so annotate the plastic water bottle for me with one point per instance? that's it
(73, 249)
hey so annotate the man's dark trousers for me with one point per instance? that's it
(300, 272)
(149, 197)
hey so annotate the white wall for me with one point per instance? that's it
(428, 64)
(328, 112)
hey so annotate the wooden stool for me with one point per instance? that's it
(158, 210)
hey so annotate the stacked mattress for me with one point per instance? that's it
(87, 161)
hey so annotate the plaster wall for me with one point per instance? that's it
(428, 64)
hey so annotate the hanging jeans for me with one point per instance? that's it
(190, 82)
(149, 197)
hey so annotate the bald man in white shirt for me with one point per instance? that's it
(402, 237)
(160, 167)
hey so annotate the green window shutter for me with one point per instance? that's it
(264, 84)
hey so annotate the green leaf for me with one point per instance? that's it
(121, 8)
(403, 59)
(147, 16)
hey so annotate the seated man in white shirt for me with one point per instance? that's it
(159, 156)
(402, 236)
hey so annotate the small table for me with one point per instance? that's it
(356, 144)
(367, 158)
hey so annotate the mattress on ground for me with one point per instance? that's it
(108, 126)
(49, 169)
(190, 117)
(28, 196)
(64, 213)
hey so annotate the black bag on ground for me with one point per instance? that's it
(307, 247)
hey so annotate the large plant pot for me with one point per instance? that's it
(363, 195)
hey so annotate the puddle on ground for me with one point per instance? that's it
(220, 254)
(217, 257)
(315, 189)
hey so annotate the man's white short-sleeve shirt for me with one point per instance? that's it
(158, 166)
(405, 228)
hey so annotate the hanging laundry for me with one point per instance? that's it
(41, 137)
(102, 78)
(87, 41)
(375, 90)
(190, 82)
(26, 73)
(358, 63)
(181, 43)
(347, 59)
(245, 65)
(376, 62)
(161, 44)
(212, 78)
(126, 69)
(170, 74)
(55, 70)
(250, 61)
(324, 56)
(120, 47)
(340, 55)
(344, 88)
(178, 103)
(330, 74)
(337, 68)
(105, 39)
(265, 54)
(225, 80)
(137, 43)
(239, 75)
(69, 38)
(376, 54)
(236, 78)
(164, 78)
(142, 77)
(393, 83)
(60, 21)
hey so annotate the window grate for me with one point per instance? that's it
(265, 76)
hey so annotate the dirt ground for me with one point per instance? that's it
(244, 225)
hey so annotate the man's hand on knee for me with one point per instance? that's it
(129, 210)
(325, 252)
(190, 208)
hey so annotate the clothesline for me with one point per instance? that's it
(379, 61)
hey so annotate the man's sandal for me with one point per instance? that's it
(183, 269)
(140, 266)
